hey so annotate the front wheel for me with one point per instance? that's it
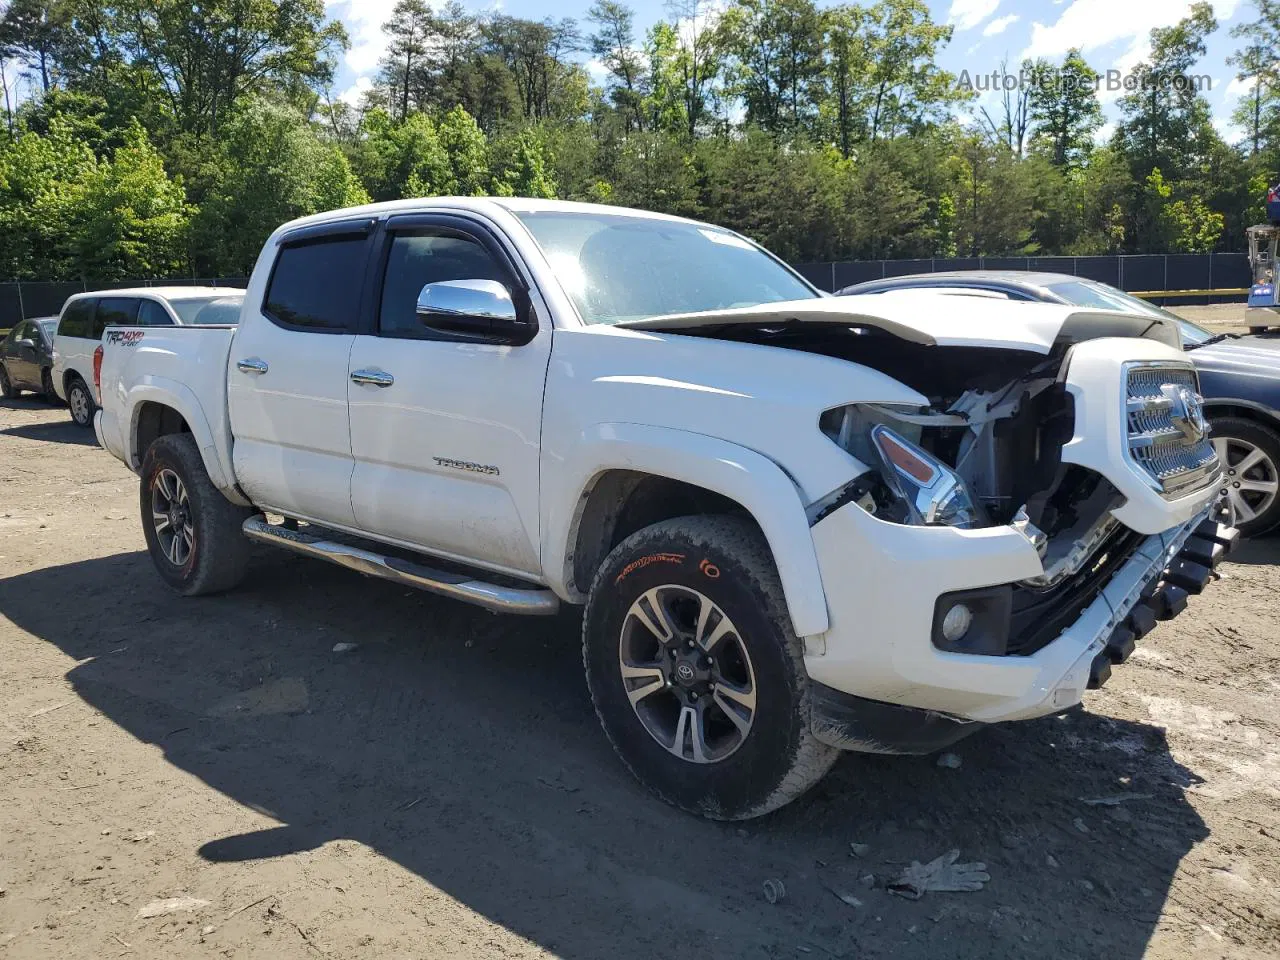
(193, 532)
(7, 389)
(1250, 455)
(695, 671)
(80, 402)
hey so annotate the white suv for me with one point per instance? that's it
(85, 315)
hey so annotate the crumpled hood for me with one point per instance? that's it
(926, 318)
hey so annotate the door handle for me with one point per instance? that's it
(372, 378)
(252, 365)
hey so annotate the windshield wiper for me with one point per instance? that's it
(1216, 338)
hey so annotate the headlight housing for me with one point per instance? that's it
(931, 492)
(906, 484)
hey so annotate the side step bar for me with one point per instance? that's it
(491, 596)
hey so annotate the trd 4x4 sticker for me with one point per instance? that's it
(126, 338)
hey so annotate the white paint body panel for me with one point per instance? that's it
(552, 416)
(459, 402)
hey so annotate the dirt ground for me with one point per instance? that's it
(443, 791)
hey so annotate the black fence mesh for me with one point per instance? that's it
(1145, 273)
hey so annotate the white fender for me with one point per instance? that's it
(742, 475)
(178, 396)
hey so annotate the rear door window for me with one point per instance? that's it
(115, 312)
(77, 319)
(316, 283)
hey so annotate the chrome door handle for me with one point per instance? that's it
(252, 365)
(372, 378)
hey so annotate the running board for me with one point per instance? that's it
(491, 596)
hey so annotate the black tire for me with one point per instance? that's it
(80, 402)
(1266, 440)
(46, 387)
(726, 560)
(218, 555)
(7, 389)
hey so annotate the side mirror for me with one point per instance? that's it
(25, 342)
(471, 306)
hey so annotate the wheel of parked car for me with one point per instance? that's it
(7, 388)
(193, 532)
(80, 402)
(695, 671)
(46, 386)
(1250, 455)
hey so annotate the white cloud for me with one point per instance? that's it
(967, 14)
(1000, 25)
(357, 90)
(363, 20)
(1237, 88)
(1092, 24)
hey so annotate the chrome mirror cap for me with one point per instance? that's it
(479, 299)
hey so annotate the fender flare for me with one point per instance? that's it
(744, 476)
(179, 397)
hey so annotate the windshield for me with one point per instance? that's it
(1086, 293)
(616, 267)
(49, 325)
(207, 311)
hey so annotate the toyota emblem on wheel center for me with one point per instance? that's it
(684, 673)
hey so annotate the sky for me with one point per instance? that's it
(1112, 33)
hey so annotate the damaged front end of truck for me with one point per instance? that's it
(1053, 499)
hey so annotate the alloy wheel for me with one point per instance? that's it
(78, 400)
(171, 515)
(1250, 479)
(687, 673)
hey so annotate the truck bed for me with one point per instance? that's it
(187, 363)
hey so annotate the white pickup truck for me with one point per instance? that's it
(799, 524)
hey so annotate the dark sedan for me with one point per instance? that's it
(26, 358)
(1239, 375)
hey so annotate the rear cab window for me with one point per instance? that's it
(316, 283)
(152, 314)
(115, 312)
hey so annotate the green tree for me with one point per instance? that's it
(614, 44)
(1259, 62)
(522, 167)
(409, 30)
(272, 167)
(1165, 119)
(1064, 109)
(467, 150)
(777, 47)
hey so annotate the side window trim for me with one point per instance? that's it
(363, 227)
(447, 224)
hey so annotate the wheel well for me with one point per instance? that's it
(1264, 417)
(620, 502)
(69, 378)
(155, 420)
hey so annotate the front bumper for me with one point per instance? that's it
(882, 580)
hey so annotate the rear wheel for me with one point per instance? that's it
(193, 532)
(7, 389)
(696, 673)
(80, 402)
(1250, 455)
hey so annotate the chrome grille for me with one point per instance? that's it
(1167, 433)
